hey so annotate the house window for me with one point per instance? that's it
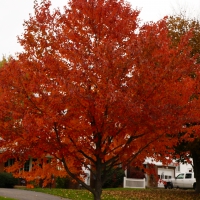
(6, 164)
(178, 168)
(168, 177)
(26, 166)
(48, 160)
(9, 162)
(12, 161)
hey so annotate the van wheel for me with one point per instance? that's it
(194, 186)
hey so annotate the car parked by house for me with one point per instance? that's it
(183, 180)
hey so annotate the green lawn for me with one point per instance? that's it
(125, 194)
(3, 198)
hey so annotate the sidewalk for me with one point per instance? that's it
(27, 195)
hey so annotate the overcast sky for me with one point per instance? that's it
(14, 12)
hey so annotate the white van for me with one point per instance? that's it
(183, 180)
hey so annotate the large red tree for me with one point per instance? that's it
(93, 88)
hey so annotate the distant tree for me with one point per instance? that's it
(179, 25)
(3, 61)
(93, 89)
(189, 140)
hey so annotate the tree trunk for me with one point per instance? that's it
(98, 191)
(196, 164)
(98, 180)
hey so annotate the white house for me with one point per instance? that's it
(165, 172)
(182, 168)
(170, 171)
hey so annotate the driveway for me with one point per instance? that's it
(27, 195)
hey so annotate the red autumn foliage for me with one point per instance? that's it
(93, 88)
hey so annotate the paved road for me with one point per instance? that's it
(27, 195)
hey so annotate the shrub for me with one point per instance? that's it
(7, 180)
(61, 182)
(135, 173)
(115, 178)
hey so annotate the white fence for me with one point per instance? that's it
(134, 183)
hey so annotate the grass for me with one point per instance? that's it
(3, 198)
(124, 194)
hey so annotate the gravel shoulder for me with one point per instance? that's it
(27, 195)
